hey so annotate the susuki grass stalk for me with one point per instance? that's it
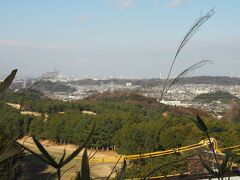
(198, 23)
(185, 72)
(201, 20)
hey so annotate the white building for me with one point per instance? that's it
(172, 103)
(128, 84)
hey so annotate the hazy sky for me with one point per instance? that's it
(132, 38)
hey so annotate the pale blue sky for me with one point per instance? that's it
(132, 38)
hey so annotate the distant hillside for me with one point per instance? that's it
(54, 87)
(64, 87)
(136, 82)
(224, 97)
(218, 80)
(132, 97)
(122, 96)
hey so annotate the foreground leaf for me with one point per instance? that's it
(7, 82)
(85, 169)
(78, 177)
(63, 156)
(45, 153)
(25, 148)
(207, 167)
(200, 124)
(7, 154)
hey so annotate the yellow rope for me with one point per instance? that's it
(201, 144)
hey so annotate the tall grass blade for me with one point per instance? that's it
(185, 72)
(123, 171)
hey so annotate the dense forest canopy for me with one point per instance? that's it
(119, 116)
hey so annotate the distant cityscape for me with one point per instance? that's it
(181, 94)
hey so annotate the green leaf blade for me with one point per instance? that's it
(62, 158)
(7, 154)
(200, 124)
(207, 167)
(7, 82)
(85, 169)
(45, 153)
(26, 148)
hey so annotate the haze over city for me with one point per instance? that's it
(130, 38)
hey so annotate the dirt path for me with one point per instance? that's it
(100, 165)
